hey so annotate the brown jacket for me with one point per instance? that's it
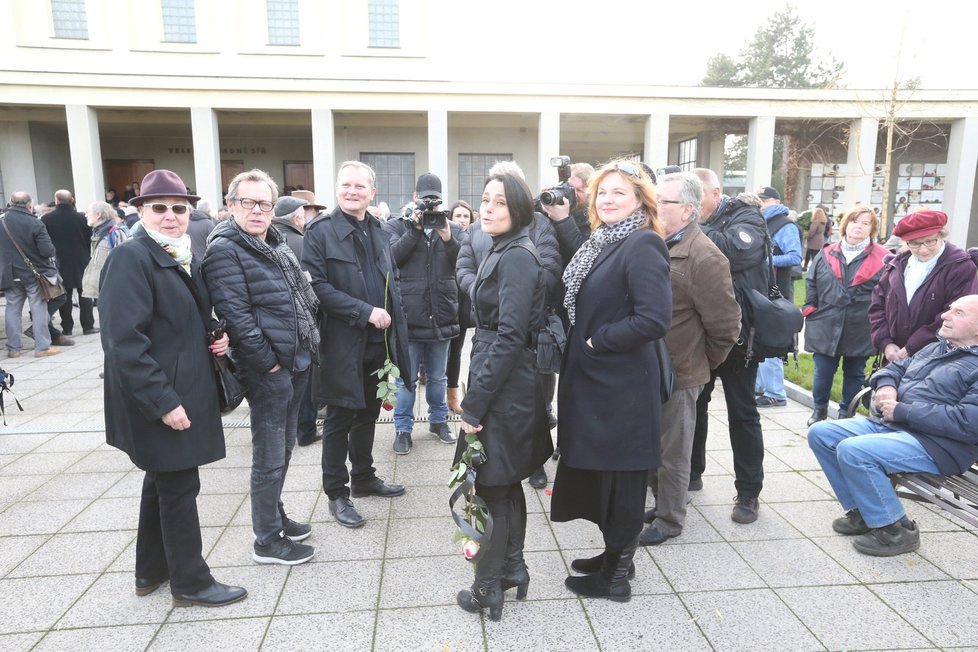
(705, 314)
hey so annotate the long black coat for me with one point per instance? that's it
(608, 398)
(72, 238)
(504, 393)
(329, 255)
(154, 335)
(32, 237)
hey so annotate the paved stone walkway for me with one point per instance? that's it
(68, 508)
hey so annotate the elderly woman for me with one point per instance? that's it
(504, 404)
(838, 290)
(107, 233)
(619, 301)
(161, 403)
(270, 309)
(462, 214)
(816, 236)
(918, 286)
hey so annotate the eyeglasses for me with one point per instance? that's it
(627, 168)
(671, 201)
(160, 208)
(930, 244)
(249, 204)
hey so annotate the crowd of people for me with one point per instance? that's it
(343, 311)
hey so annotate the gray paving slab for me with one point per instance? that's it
(952, 624)
(40, 517)
(423, 581)
(228, 635)
(75, 485)
(85, 552)
(432, 629)
(792, 562)
(19, 642)
(36, 603)
(647, 622)
(106, 514)
(14, 550)
(902, 568)
(769, 524)
(704, 567)
(331, 632)
(46, 463)
(264, 584)
(956, 553)
(126, 637)
(112, 600)
(545, 625)
(331, 587)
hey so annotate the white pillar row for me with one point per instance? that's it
(656, 151)
(959, 184)
(548, 145)
(86, 154)
(863, 133)
(716, 160)
(17, 160)
(438, 151)
(760, 151)
(324, 156)
(207, 154)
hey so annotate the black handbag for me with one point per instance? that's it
(230, 390)
(550, 343)
(667, 373)
(773, 321)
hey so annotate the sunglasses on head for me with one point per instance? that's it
(628, 168)
(160, 208)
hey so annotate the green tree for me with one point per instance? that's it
(721, 70)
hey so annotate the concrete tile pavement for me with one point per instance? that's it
(67, 518)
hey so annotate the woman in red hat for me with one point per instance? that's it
(919, 285)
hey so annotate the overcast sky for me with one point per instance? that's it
(669, 42)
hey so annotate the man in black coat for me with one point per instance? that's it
(347, 255)
(739, 231)
(17, 280)
(72, 238)
(425, 258)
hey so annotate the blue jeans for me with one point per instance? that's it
(16, 294)
(857, 455)
(770, 374)
(274, 401)
(434, 355)
(853, 376)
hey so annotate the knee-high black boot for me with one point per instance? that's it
(487, 590)
(611, 581)
(514, 566)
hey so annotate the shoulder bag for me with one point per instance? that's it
(773, 321)
(51, 287)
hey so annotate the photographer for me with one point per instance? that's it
(424, 246)
(572, 233)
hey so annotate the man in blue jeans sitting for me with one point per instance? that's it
(927, 423)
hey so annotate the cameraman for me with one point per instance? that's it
(424, 245)
(572, 233)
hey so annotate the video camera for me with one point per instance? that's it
(431, 219)
(562, 190)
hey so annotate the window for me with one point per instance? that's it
(687, 154)
(179, 24)
(283, 22)
(472, 172)
(395, 178)
(384, 24)
(70, 20)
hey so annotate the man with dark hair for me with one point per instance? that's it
(72, 238)
(425, 258)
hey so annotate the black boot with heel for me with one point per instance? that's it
(515, 573)
(611, 581)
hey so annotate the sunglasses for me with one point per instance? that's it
(159, 208)
(628, 168)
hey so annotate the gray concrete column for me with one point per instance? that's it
(959, 184)
(861, 160)
(438, 151)
(760, 151)
(716, 160)
(17, 160)
(656, 150)
(324, 156)
(207, 154)
(548, 145)
(87, 174)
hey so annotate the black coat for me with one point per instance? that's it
(199, 227)
(504, 394)
(250, 291)
(293, 236)
(608, 398)
(329, 255)
(426, 278)
(154, 335)
(72, 238)
(32, 236)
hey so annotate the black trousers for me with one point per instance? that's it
(503, 502)
(746, 438)
(168, 539)
(454, 367)
(350, 433)
(85, 307)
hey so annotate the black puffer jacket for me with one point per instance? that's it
(250, 292)
(426, 273)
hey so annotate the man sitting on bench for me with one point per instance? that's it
(925, 421)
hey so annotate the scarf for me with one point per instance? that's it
(303, 297)
(178, 248)
(580, 265)
(851, 251)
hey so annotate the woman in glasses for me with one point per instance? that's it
(619, 301)
(161, 402)
(839, 286)
(270, 309)
(918, 286)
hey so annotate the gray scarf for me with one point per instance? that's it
(580, 265)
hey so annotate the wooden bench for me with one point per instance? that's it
(957, 494)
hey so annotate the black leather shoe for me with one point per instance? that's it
(309, 441)
(215, 595)
(653, 536)
(88, 331)
(61, 340)
(345, 513)
(145, 586)
(894, 539)
(696, 484)
(649, 516)
(851, 524)
(66, 331)
(818, 414)
(538, 479)
(375, 487)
